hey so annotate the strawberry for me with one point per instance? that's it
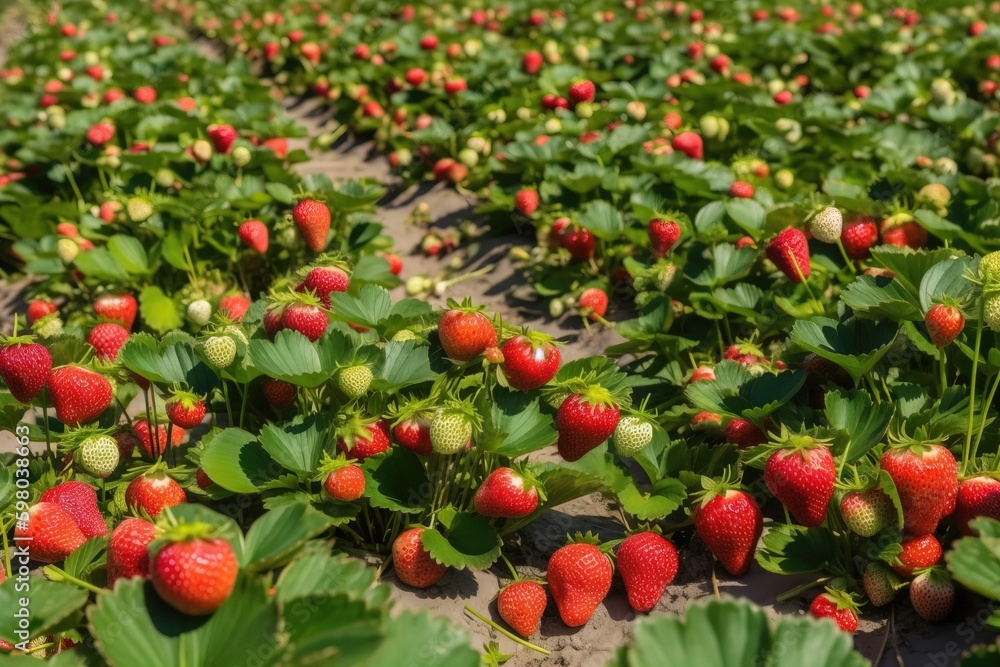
(450, 431)
(827, 225)
(918, 553)
(944, 324)
(926, 477)
(593, 304)
(584, 421)
(128, 550)
(789, 251)
(880, 584)
(530, 361)
(199, 312)
(932, 595)
(80, 500)
(101, 133)
(220, 351)
(98, 455)
(39, 308)
(254, 235)
(25, 368)
(222, 137)
(312, 218)
(579, 576)
(526, 201)
(52, 531)
(363, 439)
(663, 234)
(152, 493)
(532, 62)
(521, 606)
(272, 321)
(632, 435)
(234, 306)
(127, 441)
(354, 381)
(346, 483)
(741, 190)
(415, 435)
(79, 395)
(323, 280)
(279, 393)
(802, 477)
(186, 410)
(395, 263)
(581, 244)
(119, 308)
(582, 91)
(153, 443)
(465, 333)
(414, 565)
(506, 493)
(202, 479)
(107, 339)
(144, 95)
(703, 374)
(744, 434)
(647, 563)
(706, 421)
(907, 234)
(194, 576)
(977, 496)
(858, 237)
(837, 606)
(415, 76)
(138, 209)
(730, 523)
(690, 144)
(867, 512)
(308, 319)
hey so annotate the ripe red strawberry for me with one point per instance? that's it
(222, 137)
(926, 477)
(526, 201)
(579, 576)
(234, 306)
(465, 333)
(144, 95)
(455, 86)
(119, 308)
(395, 263)
(647, 563)
(944, 324)
(101, 133)
(918, 553)
(858, 237)
(530, 361)
(505, 493)
(741, 189)
(977, 496)
(309, 320)
(415, 76)
(272, 321)
(53, 532)
(703, 374)
(79, 395)
(593, 303)
(690, 144)
(532, 62)
(254, 235)
(39, 308)
(414, 565)
(663, 234)
(868, 511)
(152, 493)
(366, 440)
(730, 523)
(312, 218)
(128, 550)
(279, 393)
(154, 443)
(932, 595)
(107, 339)
(80, 500)
(323, 280)
(742, 433)
(789, 251)
(904, 235)
(802, 479)
(838, 606)
(415, 435)
(186, 411)
(346, 483)
(25, 368)
(582, 91)
(580, 243)
(584, 421)
(521, 606)
(194, 576)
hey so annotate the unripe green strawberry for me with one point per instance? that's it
(220, 350)
(403, 335)
(199, 312)
(237, 333)
(202, 151)
(50, 326)
(867, 512)
(450, 432)
(241, 156)
(165, 178)
(138, 209)
(354, 381)
(989, 267)
(991, 312)
(67, 249)
(98, 456)
(632, 435)
(880, 584)
(827, 225)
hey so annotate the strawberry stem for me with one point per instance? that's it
(506, 633)
(972, 386)
(57, 574)
(847, 260)
(802, 588)
(513, 572)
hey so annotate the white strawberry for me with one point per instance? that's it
(827, 225)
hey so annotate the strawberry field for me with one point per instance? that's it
(619, 332)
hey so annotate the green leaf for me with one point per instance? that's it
(727, 263)
(602, 219)
(854, 344)
(367, 309)
(790, 549)
(129, 253)
(516, 425)
(406, 364)
(396, 481)
(974, 562)
(236, 461)
(275, 537)
(99, 264)
(909, 266)
(423, 640)
(86, 558)
(747, 213)
(859, 423)
(325, 573)
(946, 279)
(331, 629)
(471, 541)
(297, 445)
(159, 311)
(292, 358)
(666, 496)
(880, 298)
(51, 603)
(176, 364)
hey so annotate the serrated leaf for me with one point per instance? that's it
(471, 542)
(275, 537)
(663, 499)
(159, 311)
(297, 445)
(396, 481)
(859, 422)
(236, 461)
(790, 549)
(51, 602)
(855, 345)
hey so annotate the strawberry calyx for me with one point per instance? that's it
(466, 306)
(936, 574)
(465, 409)
(898, 218)
(327, 260)
(842, 599)
(711, 487)
(23, 339)
(414, 408)
(528, 478)
(74, 438)
(283, 299)
(330, 464)
(187, 399)
(353, 426)
(591, 394)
